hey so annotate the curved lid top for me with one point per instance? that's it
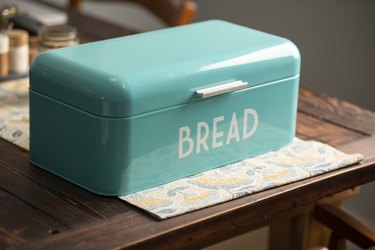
(131, 75)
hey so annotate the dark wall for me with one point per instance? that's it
(336, 39)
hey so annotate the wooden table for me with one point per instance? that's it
(41, 211)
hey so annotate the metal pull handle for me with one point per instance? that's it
(221, 89)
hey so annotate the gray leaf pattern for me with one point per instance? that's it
(296, 161)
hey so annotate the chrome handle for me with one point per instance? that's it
(221, 89)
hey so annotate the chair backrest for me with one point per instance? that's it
(171, 12)
(344, 226)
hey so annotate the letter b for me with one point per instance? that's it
(184, 138)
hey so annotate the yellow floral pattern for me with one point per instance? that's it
(296, 161)
(14, 112)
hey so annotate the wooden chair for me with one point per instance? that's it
(344, 226)
(321, 226)
(171, 12)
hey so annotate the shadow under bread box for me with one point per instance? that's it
(130, 113)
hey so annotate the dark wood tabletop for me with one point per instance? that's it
(39, 210)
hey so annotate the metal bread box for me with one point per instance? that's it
(130, 113)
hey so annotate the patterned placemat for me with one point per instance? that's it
(296, 161)
(14, 111)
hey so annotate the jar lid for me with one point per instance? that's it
(4, 43)
(57, 33)
(17, 37)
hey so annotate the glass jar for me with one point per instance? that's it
(56, 36)
(18, 51)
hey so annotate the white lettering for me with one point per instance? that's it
(233, 129)
(247, 134)
(182, 139)
(202, 141)
(186, 141)
(215, 134)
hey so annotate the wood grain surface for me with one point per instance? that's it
(39, 210)
(42, 211)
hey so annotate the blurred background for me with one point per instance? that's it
(336, 39)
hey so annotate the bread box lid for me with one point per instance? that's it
(132, 75)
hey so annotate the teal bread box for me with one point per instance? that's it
(130, 113)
